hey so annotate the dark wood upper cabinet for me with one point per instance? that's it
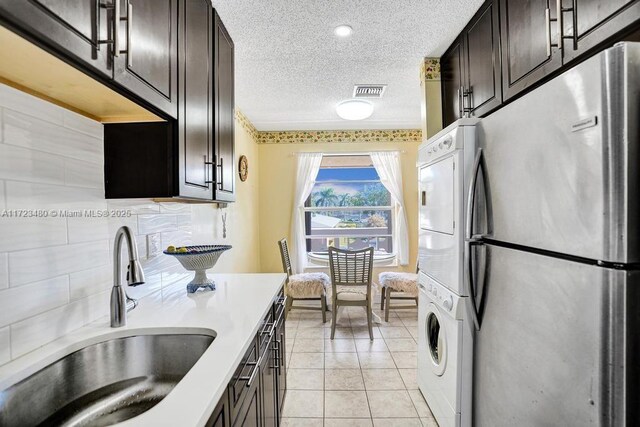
(195, 137)
(74, 29)
(597, 22)
(482, 86)
(191, 157)
(147, 52)
(529, 43)
(224, 108)
(451, 67)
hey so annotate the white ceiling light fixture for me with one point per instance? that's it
(343, 31)
(354, 109)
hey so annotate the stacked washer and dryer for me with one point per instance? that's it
(445, 331)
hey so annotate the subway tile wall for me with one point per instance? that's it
(56, 272)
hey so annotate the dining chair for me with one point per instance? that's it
(351, 273)
(304, 286)
(398, 282)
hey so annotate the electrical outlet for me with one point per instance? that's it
(153, 245)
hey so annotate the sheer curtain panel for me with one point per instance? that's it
(308, 167)
(387, 164)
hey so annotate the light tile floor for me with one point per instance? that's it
(352, 381)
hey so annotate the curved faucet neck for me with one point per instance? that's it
(123, 232)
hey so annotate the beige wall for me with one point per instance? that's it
(242, 216)
(277, 183)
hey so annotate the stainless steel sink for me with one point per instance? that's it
(103, 384)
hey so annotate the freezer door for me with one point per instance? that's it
(557, 343)
(562, 162)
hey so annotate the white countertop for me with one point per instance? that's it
(232, 312)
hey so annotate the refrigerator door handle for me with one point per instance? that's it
(469, 281)
(471, 197)
(471, 239)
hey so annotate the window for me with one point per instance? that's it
(349, 208)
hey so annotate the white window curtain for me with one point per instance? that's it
(308, 168)
(387, 164)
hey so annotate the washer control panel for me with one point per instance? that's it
(440, 295)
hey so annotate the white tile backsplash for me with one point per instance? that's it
(136, 206)
(39, 264)
(5, 345)
(4, 271)
(17, 234)
(83, 124)
(25, 301)
(22, 164)
(26, 195)
(36, 331)
(29, 132)
(89, 282)
(19, 101)
(56, 271)
(148, 224)
(78, 173)
(88, 229)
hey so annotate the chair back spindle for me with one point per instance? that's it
(286, 259)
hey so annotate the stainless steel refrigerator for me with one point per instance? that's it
(552, 251)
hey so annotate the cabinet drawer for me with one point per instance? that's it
(243, 378)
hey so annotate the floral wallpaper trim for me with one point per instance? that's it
(430, 69)
(247, 125)
(340, 136)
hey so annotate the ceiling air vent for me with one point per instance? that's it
(369, 91)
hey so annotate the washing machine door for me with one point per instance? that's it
(435, 340)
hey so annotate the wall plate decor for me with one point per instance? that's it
(243, 168)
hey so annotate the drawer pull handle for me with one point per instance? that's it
(254, 372)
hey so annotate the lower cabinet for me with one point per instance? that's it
(255, 395)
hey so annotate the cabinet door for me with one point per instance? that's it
(528, 39)
(195, 108)
(220, 416)
(72, 29)
(250, 414)
(148, 40)
(482, 80)
(451, 76)
(597, 22)
(224, 114)
(281, 362)
(268, 383)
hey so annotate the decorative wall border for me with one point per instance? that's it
(430, 69)
(329, 136)
(340, 136)
(247, 125)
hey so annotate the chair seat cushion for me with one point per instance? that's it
(308, 285)
(400, 282)
(351, 293)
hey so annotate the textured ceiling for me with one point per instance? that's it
(291, 70)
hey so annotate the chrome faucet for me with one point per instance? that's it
(120, 301)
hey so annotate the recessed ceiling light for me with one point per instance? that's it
(354, 109)
(343, 31)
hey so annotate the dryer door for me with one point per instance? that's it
(437, 196)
